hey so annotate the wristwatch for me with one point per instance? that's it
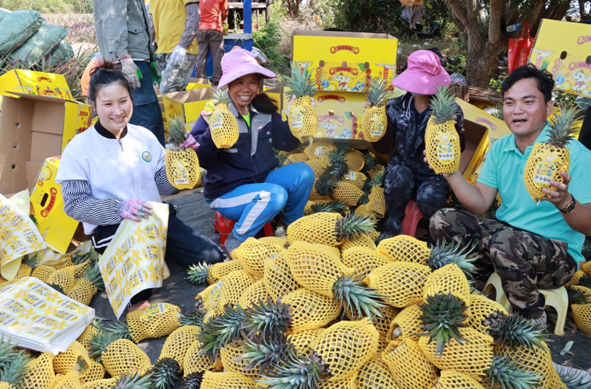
(569, 208)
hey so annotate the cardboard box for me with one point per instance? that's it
(187, 104)
(198, 83)
(563, 48)
(33, 128)
(477, 142)
(47, 208)
(497, 128)
(344, 61)
(35, 83)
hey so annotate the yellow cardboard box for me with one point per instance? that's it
(563, 49)
(198, 83)
(344, 61)
(47, 208)
(35, 83)
(497, 128)
(187, 104)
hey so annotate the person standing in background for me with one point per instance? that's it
(177, 45)
(123, 35)
(211, 36)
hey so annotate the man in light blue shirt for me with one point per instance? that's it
(529, 245)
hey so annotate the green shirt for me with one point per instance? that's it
(247, 118)
(503, 170)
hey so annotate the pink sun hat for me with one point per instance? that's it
(238, 63)
(423, 74)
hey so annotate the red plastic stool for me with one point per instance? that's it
(412, 216)
(224, 227)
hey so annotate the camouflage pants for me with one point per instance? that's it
(175, 77)
(400, 184)
(524, 261)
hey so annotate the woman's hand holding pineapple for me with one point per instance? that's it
(190, 142)
(559, 197)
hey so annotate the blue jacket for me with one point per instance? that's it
(250, 160)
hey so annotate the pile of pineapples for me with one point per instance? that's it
(324, 307)
(579, 296)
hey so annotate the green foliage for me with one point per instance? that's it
(268, 39)
(50, 6)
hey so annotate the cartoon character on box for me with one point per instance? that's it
(342, 82)
(329, 129)
(581, 80)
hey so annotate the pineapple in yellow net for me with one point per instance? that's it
(74, 358)
(301, 117)
(195, 362)
(222, 122)
(70, 380)
(310, 310)
(302, 341)
(400, 283)
(39, 372)
(43, 272)
(232, 287)
(448, 279)
(253, 294)
(87, 286)
(442, 142)
(203, 273)
(319, 150)
(409, 367)
(480, 308)
(363, 259)
(374, 121)
(328, 228)
(227, 380)
(328, 185)
(182, 164)
(155, 321)
(278, 278)
(582, 317)
(374, 374)
(118, 356)
(407, 323)
(449, 379)
(549, 158)
(252, 253)
(355, 160)
(15, 366)
(178, 343)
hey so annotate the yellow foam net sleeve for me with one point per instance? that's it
(376, 170)
(374, 123)
(83, 291)
(315, 196)
(442, 144)
(64, 278)
(404, 248)
(178, 342)
(318, 228)
(221, 269)
(374, 374)
(356, 178)
(406, 324)
(108, 383)
(346, 346)
(586, 267)
(252, 253)
(449, 379)
(302, 118)
(6, 385)
(364, 240)
(473, 357)
(401, 283)
(576, 278)
(582, 317)
(480, 308)
(347, 383)
(75, 356)
(409, 367)
(310, 310)
(297, 157)
(302, 341)
(449, 279)
(544, 164)
(182, 168)
(94, 372)
(43, 272)
(347, 193)
(355, 160)
(196, 363)
(223, 127)
(364, 260)
(377, 201)
(532, 359)
(155, 321)
(70, 380)
(254, 294)
(583, 290)
(363, 210)
(226, 380)
(87, 335)
(230, 356)
(320, 150)
(318, 166)
(232, 287)
(67, 263)
(210, 295)
(278, 278)
(382, 324)
(281, 242)
(123, 356)
(39, 373)
(316, 267)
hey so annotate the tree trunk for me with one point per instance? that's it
(482, 62)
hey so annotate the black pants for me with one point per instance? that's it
(401, 185)
(183, 245)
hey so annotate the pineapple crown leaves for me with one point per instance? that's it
(443, 315)
(443, 107)
(514, 330)
(57, 287)
(119, 329)
(586, 250)
(280, 232)
(265, 354)
(331, 206)
(370, 162)
(337, 166)
(297, 372)
(221, 96)
(13, 371)
(384, 235)
(194, 318)
(192, 381)
(350, 292)
(574, 378)
(506, 374)
(351, 226)
(364, 199)
(585, 281)
(326, 184)
(165, 373)
(99, 343)
(136, 381)
(221, 331)
(562, 127)
(266, 318)
(197, 274)
(93, 274)
(342, 147)
(377, 92)
(177, 132)
(30, 260)
(443, 254)
(300, 83)
(577, 297)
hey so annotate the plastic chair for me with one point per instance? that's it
(224, 227)
(555, 298)
(412, 217)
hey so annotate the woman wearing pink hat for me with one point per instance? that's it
(407, 175)
(242, 182)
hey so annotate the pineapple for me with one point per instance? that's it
(205, 273)
(302, 341)
(328, 206)
(278, 278)
(319, 268)
(363, 259)
(13, 366)
(263, 354)
(222, 123)
(504, 373)
(407, 324)
(39, 372)
(582, 317)
(253, 294)
(514, 330)
(164, 374)
(226, 380)
(450, 379)
(401, 283)
(448, 279)
(251, 254)
(548, 159)
(87, 286)
(328, 228)
(178, 343)
(118, 356)
(374, 374)
(182, 165)
(328, 185)
(409, 367)
(195, 363)
(442, 142)
(482, 307)
(355, 160)
(310, 310)
(302, 117)
(136, 381)
(374, 121)
(43, 272)
(192, 381)
(154, 321)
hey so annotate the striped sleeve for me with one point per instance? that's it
(81, 206)
(164, 186)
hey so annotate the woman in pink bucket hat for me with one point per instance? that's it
(243, 182)
(407, 176)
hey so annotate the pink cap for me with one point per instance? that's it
(238, 63)
(423, 74)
